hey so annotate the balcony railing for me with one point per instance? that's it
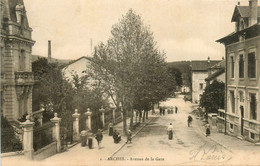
(24, 78)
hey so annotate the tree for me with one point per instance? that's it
(214, 97)
(129, 66)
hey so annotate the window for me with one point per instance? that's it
(232, 61)
(252, 135)
(232, 100)
(241, 96)
(251, 65)
(253, 114)
(241, 66)
(201, 85)
(22, 60)
(231, 126)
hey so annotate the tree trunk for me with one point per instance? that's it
(146, 114)
(143, 116)
(132, 120)
(124, 122)
(140, 115)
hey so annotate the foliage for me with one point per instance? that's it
(174, 79)
(129, 67)
(214, 96)
(56, 94)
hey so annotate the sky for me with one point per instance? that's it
(183, 29)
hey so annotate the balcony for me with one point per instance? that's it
(24, 78)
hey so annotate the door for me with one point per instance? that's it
(242, 119)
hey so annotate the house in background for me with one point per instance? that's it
(16, 68)
(77, 67)
(242, 116)
(199, 72)
(216, 72)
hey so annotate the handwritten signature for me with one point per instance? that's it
(210, 153)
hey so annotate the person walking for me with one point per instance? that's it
(189, 120)
(110, 126)
(207, 129)
(170, 131)
(129, 136)
(99, 137)
(176, 109)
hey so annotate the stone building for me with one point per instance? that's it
(199, 72)
(242, 115)
(16, 69)
(216, 72)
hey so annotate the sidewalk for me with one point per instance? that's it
(231, 143)
(78, 155)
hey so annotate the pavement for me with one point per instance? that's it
(83, 155)
(150, 145)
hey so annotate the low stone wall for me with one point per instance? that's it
(12, 154)
(46, 151)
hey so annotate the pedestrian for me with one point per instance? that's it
(176, 109)
(207, 129)
(115, 136)
(161, 111)
(170, 131)
(99, 137)
(189, 120)
(129, 136)
(110, 126)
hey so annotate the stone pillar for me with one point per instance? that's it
(102, 110)
(88, 120)
(28, 138)
(76, 125)
(56, 130)
(40, 119)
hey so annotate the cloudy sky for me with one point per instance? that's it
(184, 29)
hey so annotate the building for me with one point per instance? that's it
(16, 70)
(77, 67)
(199, 72)
(217, 72)
(242, 115)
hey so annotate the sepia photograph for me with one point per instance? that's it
(130, 82)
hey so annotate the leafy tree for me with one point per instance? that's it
(129, 66)
(214, 97)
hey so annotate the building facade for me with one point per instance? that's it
(16, 69)
(199, 72)
(242, 115)
(217, 72)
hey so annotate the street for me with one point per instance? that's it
(189, 144)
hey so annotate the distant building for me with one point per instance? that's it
(216, 72)
(16, 70)
(77, 67)
(242, 116)
(199, 72)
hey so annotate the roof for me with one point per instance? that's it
(251, 31)
(202, 65)
(83, 57)
(243, 11)
(9, 10)
(219, 65)
(216, 74)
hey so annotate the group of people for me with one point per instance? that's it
(116, 136)
(169, 111)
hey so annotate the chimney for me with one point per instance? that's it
(49, 50)
(252, 12)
